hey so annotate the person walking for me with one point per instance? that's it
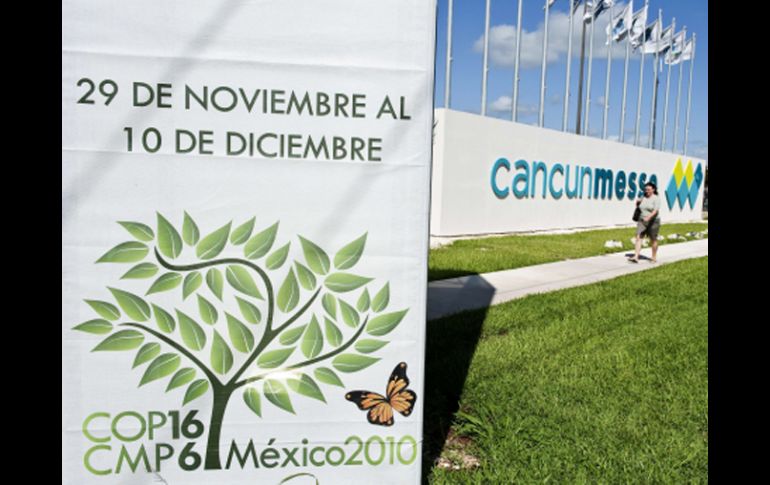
(649, 221)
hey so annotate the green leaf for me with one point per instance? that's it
(315, 256)
(261, 243)
(330, 304)
(214, 243)
(221, 355)
(165, 282)
(240, 279)
(327, 376)
(164, 319)
(288, 294)
(127, 252)
(349, 255)
(207, 310)
(306, 386)
(241, 233)
(276, 393)
(274, 358)
(363, 301)
(349, 314)
(182, 377)
(96, 326)
(313, 340)
(252, 400)
(196, 390)
(249, 311)
(161, 367)
(344, 282)
(169, 241)
(384, 323)
(138, 230)
(367, 346)
(215, 282)
(381, 299)
(104, 309)
(333, 334)
(305, 276)
(192, 282)
(288, 337)
(276, 260)
(140, 271)
(146, 353)
(190, 232)
(122, 340)
(240, 335)
(352, 362)
(193, 335)
(135, 307)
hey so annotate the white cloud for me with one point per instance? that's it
(502, 41)
(503, 103)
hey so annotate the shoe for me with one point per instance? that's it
(633, 260)
(653, 261)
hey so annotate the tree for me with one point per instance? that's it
(278, 337)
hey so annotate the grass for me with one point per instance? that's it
(475, 256)
(606, 383)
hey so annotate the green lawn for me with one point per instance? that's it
(473, 256)
(606, 383)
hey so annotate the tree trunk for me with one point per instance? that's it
(221, 396)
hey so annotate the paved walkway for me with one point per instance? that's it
(446, 297)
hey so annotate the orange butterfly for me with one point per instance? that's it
(380, 407)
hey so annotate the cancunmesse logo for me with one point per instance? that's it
(684, 185)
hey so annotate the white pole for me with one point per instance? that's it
(448, 76)
(485, 66)
(625, 89)
(542, 69)
(641, 82)
(515, 104)
(668, 83)
(588, 84)
(607, 84)
(569, 63)
(654, 101)
(678, 96)
(689, 98)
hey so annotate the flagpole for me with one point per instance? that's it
(679, 93)
(625, 87)
(689, 98)
(641, 82)
(485, 67)
(607, 84)
(588, 83)
(448, 76)
(654, 106)
(668, 84)
(542, 69)
(582, 61)
(569, 64)
(515, 104)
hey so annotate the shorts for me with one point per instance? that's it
(650, 230)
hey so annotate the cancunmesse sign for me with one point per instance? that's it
(245, 219)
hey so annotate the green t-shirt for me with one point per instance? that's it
(648, 205)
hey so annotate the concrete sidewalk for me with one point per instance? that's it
(446, 297)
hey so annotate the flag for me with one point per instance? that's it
(666, 39)
(618, 27)
(651, 38)
(674, 55)
(638, 21)
(689, 50)
(575, 5)
(595, 8)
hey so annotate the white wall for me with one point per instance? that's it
(466, 147)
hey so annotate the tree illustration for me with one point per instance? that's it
(246, 336)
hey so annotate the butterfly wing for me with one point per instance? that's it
(379, 409)
(399, 397)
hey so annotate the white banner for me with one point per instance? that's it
(245, 201)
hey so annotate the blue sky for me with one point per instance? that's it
(467, 53)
